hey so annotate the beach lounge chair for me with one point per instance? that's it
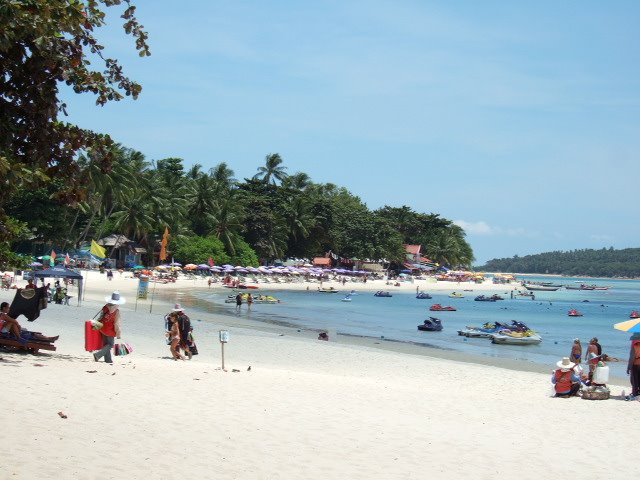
(30, 346)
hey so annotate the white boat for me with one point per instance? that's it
(346, 299)
(516, 338)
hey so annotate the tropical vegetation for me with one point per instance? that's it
(606, 262)
(62, 185)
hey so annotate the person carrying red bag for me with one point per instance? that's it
(110, 330)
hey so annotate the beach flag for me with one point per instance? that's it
(67, 260)
(53, 258)
(163, 245)
(97, 250)
(211, 262)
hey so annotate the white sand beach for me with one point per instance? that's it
(306, 409)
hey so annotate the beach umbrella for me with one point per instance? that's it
(175, 264)
(138, 267)
(226, 265)
(203, 266)
(632, 326)
(190, 266)
(35, 264)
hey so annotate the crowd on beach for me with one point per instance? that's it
(569, 379)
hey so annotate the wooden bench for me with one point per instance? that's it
(32, 347)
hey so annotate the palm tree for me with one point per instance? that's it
(273, 171)
(297, 181)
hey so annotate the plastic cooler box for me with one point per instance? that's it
(92, 338)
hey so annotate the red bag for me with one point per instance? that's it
(92, 338)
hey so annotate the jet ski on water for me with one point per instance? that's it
(431, 324)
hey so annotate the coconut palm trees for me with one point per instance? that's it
(273, 171)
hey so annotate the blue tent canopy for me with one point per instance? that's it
(57, 272)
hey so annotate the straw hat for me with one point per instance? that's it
(565, 364)
(115, 299)
(177, 308)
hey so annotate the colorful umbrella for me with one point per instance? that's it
(632, 326)
(190, 266)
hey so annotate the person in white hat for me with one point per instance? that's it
(110, 330)
(567, 383)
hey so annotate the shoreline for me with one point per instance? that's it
(287, 406)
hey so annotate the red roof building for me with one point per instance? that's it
(321, 262)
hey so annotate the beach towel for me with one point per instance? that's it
(28, 302)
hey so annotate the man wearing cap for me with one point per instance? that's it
(565, 379)
(110, 319)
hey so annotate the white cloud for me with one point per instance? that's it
(475, 228)
(484, 229)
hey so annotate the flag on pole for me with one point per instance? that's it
(67, 260)
(97, 250)
(211, 262)
(53, 258)
(163, 245)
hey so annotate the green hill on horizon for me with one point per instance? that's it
(606, 262)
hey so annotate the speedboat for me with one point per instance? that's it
(423, 296)
(436, 307)
(542, 288)
(574, 313)
(431, 324)
(634, 314)
(456, 295)
(327, 290)
(380, 293)
(506, 337)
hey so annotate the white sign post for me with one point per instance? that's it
(224, 338)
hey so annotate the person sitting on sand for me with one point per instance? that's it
(323, 336)
(566, 382)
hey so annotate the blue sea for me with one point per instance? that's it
(396, 318)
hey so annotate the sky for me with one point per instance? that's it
(517, 120)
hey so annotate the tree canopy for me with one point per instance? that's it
(62, 185)
(44, 44)
(605, 262)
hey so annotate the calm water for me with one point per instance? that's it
(397, 317)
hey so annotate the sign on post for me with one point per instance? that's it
(224, 338)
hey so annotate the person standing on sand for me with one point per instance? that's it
(576, 351)
(633, 368)
(249, 301)
(594, 350)
(184, 327)
(174, 336)
(238, 301)
(110, 330)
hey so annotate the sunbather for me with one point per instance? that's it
(8, 324)
(11, 325)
